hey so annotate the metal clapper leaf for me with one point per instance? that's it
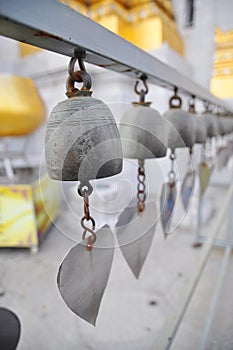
(167, 203)
(135, 234)
(168, 198)
(187, 188)
(188, 184)
(84, 273)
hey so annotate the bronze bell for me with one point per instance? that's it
(142, 130)
(180, 129)
(82, 140)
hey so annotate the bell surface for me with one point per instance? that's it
(200, 128)
(180, 128)
(143, 133)
(212, 125)
(82, 141)
(221, 126)
(225, 126)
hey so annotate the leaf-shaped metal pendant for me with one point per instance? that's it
(83, 275)
(187, 188)
(204, 176)
(167, 203)
(135, 234)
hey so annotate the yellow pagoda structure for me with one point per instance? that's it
(145, 23)
(222, 78)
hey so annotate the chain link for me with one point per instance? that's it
(84, 190)
(141, 195)
(172, 174)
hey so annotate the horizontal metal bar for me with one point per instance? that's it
(171, 326)
(56, 27)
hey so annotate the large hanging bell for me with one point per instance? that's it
(82, 138)
(180, 126)
(143, 133)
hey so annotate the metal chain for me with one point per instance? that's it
(84, 190)
(172, 174)
(141, 195)
(80, 76)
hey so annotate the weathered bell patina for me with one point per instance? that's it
(82, 140)
(180, 128)
(143, 133)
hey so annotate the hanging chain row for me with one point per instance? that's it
(141, 195)
(85, 191)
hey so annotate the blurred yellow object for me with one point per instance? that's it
(222, 76)
(22, 110)
(28, 211)
(28, 50)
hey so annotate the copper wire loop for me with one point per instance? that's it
(91, 239)
(84, 190)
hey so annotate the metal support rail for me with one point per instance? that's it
(171, 326)
(54, 26)
(220, 280)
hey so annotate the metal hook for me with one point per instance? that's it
(192, 104)
(175, 101)
(142, 92)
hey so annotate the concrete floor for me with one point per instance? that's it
(132, 312)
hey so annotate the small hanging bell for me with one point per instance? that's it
(142, 130)
(188, 183)
(143, 136)
(205, 166)
(82, 139)
(180, 128)
(181, 134)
